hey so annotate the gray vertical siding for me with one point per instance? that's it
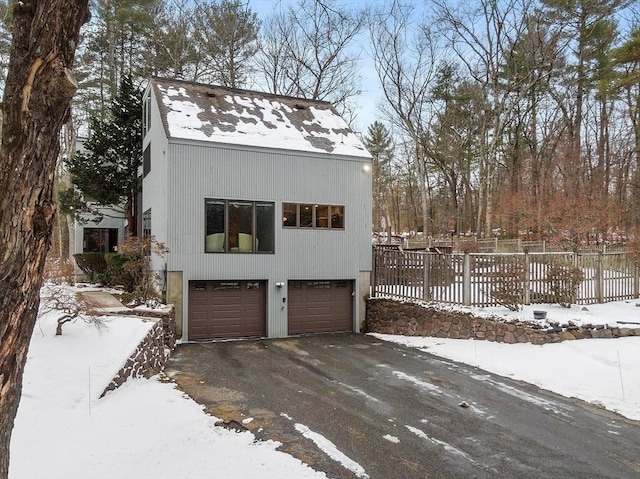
(155, 185)
(199, 171)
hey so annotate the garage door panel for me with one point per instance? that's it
(320, 306)
(319, 310)
(227, 309)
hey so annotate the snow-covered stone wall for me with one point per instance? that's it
(387, 316)
(153, 352)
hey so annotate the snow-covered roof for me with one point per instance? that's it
(242, 117)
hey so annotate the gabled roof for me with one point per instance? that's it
(227, 115)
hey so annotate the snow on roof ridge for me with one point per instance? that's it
(234, 116)
(238, 90)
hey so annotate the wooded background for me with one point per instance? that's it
(510, 118)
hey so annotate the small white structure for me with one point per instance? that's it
(264, 202)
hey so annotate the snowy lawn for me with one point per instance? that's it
(145, 429)
(148, 429)
(601, 371)
(620, 314)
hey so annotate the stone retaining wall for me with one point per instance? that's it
(394, 317)
(153, 352)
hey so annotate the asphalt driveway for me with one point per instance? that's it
(396, 412)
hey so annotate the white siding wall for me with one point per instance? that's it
(199, 171)
(107, 222)
(155, 185)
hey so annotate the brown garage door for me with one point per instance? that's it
(227, 309)
(320, 306)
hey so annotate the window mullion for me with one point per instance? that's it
(254, 232)
(226, 226)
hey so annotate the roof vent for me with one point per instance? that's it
(210, 94)
(299, 106)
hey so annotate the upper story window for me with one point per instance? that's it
(238, 226)
(146, 113)
(146, 161)
(309, 215)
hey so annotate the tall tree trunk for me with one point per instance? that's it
(36, 100)
(422, 188)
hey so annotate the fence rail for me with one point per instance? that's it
(459, 244)
(476, 279)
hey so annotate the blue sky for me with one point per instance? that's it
(371, 91)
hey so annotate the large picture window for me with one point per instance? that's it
(99, 240)
(306, 215)
(237, 226)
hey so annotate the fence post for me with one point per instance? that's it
(373, 271)
(527, 279)
(426, 286)
(466, 280)
(599, 286)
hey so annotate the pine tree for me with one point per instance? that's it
(227, 35)
(627, 60)
(378, 142)
(107, 174)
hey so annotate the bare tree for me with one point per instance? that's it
(69, 306)
(406, 62)
(308, 51)
(36, 103)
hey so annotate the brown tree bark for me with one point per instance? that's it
(35, 105)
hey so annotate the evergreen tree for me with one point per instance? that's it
(378, 142)
(171, 49)
(107, 174)
(627, 59)
(451, 145)
(114, 46)
(227, 37)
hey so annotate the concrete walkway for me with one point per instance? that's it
(104, 301)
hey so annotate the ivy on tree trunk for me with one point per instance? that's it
(35, 105)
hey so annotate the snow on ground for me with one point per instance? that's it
(330, 449)
(601, 371)
(615, 314)
(147, 428)
(144, 429)
(621, 314)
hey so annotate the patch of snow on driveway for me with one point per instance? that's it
(331, 450)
